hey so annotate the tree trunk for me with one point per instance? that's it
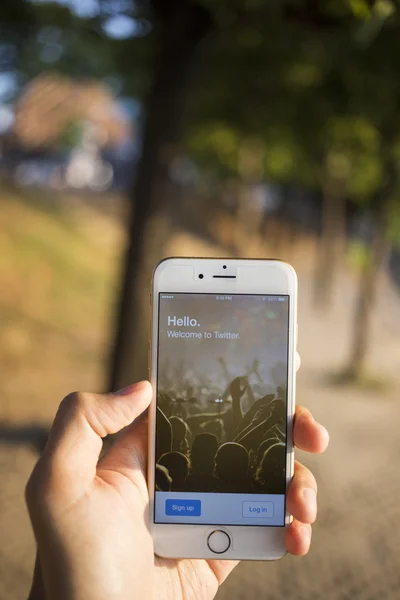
(369, 282)
(184, 24)
(366, 299)
(332, 242)
(248, 217)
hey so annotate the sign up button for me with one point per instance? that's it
(258, 510)
(183, 508)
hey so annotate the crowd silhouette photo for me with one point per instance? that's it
(231, 442)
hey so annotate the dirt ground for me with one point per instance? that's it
(355, 553)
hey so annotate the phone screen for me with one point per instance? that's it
(221, 409)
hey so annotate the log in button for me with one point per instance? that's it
(258, 510)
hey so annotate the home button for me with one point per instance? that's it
(219, 542)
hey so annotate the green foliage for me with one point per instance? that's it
(319, 12)
(323, 100)
(353, 145)
(50, 36)
(216, 147)
(360, 8)
(16, 11)
(394, 221)
(280, 161)
(378, 14)
(315, 83)
(71, 136)
(358, 255)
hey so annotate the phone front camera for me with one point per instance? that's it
(201, 276)
(224, 267)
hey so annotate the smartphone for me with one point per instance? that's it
(223, 345)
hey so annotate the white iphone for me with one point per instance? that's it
(223, 348)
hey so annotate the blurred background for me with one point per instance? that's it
(135, 129)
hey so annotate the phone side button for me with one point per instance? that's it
(219, 542)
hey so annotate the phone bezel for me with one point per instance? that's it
(235, 276)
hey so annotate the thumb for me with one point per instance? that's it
(83, 419)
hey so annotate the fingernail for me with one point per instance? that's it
(310, 499)
(126, 391)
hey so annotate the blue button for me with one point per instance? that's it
(183, 508)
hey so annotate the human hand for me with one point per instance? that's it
(90, 517)
(238, 387)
